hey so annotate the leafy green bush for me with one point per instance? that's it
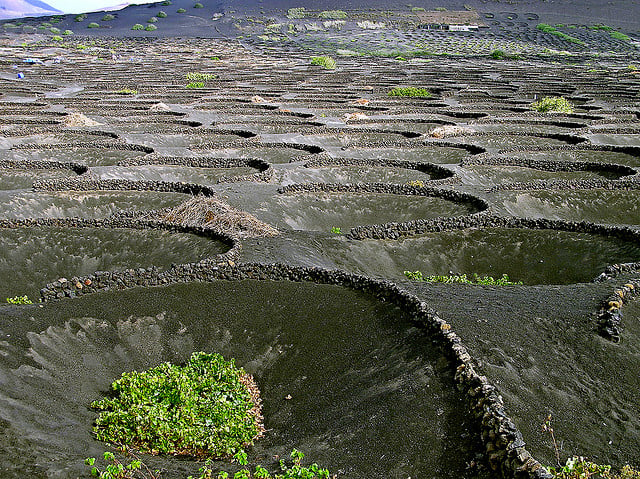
(180, 10)
(417, 9)
(461, 278)
(208, 407)
(19, 300)
(296, 12)
(552, 30)
(68, 32)
(580, 468)
(152, 20)
(93, 25)
(161, 14)
(198, 5)
(137, 26)
(498, 54)
(336, 230)
(57, 38)
(333, 14)
(126, 91)
(410, 91)
(195, 84)
(81, 17)
(202, 77)
(54, 30)
(553, 103)
(108, 17)
(151, 28)
(324, 61)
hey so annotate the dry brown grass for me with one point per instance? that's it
(215, 213)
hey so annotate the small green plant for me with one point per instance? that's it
(19, 300)
(333, 14)
(54, 30)
(416, 183)
(461, 278)
(116, 469)
(418, 9)
(552, 104)
(498, 54)
(195, 84)
(324, 61)
(198, 5)
(296, 13)
(93, 25)
(202, 77)
(206, 408)
(126, 91)
(440, 9)
(151, 28)
(68, 32)
(57, 38)
(108, 17)
(410, 91)
(161, 14)
(152, 20)
(180, 10)
(336, 230)
(137, 26)
(81, 17)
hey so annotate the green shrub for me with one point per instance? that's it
(296, 13)
(461, 278)
(180, 10)
(195, 84)
(166, 3)
(126, 91)
(57, 38)
(552, 30)
(93, 25)
(81, 17)
(161, 14)
(198, 5)
(336, 230)
(333, 14)
(208, 407)
(67, 32)
(108, 17)
(19, 300)
(410, 91)
(54, 30)
(324, 61)
(202, 77)
(417, 9)
(553, 103)
(137, 26)
(498, 54)
(151, 28)
(440, 9)
(152, 20)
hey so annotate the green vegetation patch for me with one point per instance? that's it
(461, 278)
(198, 5)
(126, 91)
(202, 77)
(333, 14)
(324, 61)
(553, 104)
(553, 31)
(137, 26)
(296, 13)
(81, 17)
(162, 14)
(208, 407)
(19, 300)
(150, 28)
(620, 36)
(410, 91)
(93, 25)
(108, 17)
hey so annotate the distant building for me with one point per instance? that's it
(455, 21)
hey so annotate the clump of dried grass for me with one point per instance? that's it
(450, 130)
(215, 213)
(78, 119)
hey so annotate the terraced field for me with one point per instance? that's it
(269, 213)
